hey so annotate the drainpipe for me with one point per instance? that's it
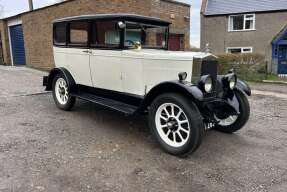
(30, 5)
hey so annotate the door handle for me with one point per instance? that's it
(87, 51)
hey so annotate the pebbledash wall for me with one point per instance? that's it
(37, 24)
(214, 31)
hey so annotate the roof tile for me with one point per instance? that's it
(225, 7)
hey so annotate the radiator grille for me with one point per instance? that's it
(209, 67)
(203, 67)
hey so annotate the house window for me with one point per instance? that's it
(241, 22)
(239, 50)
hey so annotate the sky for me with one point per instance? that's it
(13, 7)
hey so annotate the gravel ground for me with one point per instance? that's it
(94, 149)
(278, 88)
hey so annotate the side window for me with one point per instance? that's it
(105, 34)
(60, 34)
(79, 35)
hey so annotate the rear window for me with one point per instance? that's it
(60, 34)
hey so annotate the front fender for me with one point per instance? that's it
(187, 89)
(244, 87)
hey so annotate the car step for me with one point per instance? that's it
(109, 103)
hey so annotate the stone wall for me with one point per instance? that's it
(6, 59)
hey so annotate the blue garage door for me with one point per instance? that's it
(17, 44)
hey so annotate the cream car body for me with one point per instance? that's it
(130, 71)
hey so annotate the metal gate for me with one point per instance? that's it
(17, 45)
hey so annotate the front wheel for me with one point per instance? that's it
(234, 123)
(61, 93)
(176, 124)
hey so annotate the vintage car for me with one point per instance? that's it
(122, 62)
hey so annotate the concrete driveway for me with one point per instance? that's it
(94, 149)
(17, 81)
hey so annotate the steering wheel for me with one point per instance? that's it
(130, 42)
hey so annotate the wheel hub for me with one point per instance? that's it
(172, 124)
(62, 90)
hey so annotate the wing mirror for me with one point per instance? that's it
(121, 25)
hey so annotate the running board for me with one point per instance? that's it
(109, 103)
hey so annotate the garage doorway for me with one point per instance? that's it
(17, 45)
(176, 42)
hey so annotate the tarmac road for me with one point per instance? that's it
(94, 149)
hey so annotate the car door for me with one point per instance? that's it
(105, 61)
(78, 52)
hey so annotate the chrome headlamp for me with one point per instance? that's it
(230, 81)
(206, 83)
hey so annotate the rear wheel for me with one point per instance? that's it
(61, 93)
(234, 123)
(176, 124)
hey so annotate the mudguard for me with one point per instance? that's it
(234, 103)
(48, 81)
(189, 90)
(244, 87)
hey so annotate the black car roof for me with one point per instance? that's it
(129, 17)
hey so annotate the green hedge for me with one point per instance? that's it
(249, 67)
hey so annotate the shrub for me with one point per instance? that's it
(249, 67)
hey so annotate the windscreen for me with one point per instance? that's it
(149, 36)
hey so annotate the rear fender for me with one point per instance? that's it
(70, 80)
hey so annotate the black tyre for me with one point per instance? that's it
(61, 93)
(176, 124)
(234, 123)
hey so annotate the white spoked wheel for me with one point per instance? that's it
(172, 125)
(176, 123)
(61, 91)
(228, 121)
